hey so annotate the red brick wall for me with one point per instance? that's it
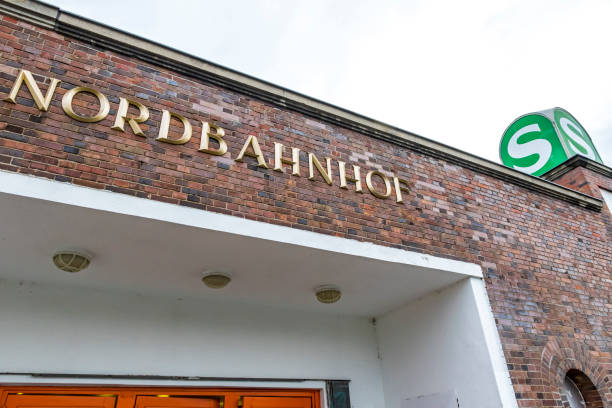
(585, 181)
(546, 262)
(576, 180)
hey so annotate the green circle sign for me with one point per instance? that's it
(530, 144)
(538, 142)
(575, 138)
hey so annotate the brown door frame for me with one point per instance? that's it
(126, 395)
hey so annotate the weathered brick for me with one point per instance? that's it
(546, 262)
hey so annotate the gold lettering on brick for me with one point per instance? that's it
(400, 185)
(384, 178)
(122, 116)
(279, 159)
(313, 163)
(255, 152)
(356, 179)
(164, 127)
(218, 136)
(250, 148)
(67, 105)
(41, 102)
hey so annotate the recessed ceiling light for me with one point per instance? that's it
(328, 294)
(216, 280)
(71, 261)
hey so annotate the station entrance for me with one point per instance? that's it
(144, 319)
(62, 397)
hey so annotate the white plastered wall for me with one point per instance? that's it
(430, 346)
(607, 195)
(445, 342)
(63, 330)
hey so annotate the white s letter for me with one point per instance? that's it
(540, 147)
(576, 139)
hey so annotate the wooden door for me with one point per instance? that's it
(277, 402)
(200, 401)
(59, 401)
(152, 397)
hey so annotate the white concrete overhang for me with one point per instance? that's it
(149, 247)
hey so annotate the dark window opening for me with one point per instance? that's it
(578, 391)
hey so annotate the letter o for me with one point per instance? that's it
(371, 186)
(67, 104)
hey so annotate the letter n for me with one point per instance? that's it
(40, 101)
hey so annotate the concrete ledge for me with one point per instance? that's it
(577, 161)
(54, 191)
(116, 40)
(37, 13)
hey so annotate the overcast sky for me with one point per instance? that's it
(454, 71)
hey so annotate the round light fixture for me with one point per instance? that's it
(71, 261)
(328, 294)
(216, 280)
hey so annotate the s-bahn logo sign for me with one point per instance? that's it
(540, 141)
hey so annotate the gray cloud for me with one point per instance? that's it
(456, 72)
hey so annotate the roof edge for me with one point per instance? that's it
(577, 161)
(34, 12)
(95, 33)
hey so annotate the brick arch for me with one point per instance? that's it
(560, 356)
